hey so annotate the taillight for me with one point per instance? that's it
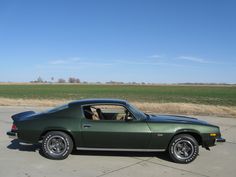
(13, 127)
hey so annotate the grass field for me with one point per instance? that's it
(207, 95)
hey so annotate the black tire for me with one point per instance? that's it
(57, 145)
(183, 148)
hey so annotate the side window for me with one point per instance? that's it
(107, 112)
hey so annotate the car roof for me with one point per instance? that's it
(98, 100)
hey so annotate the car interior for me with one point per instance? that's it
(107, 112)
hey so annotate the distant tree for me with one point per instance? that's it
(115, 83)
(77, 80)
(110, 82)
(61, 80)
(73, 80)
(39, 80)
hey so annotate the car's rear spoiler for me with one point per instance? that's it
(19, 116)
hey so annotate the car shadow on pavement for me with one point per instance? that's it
(18, 145)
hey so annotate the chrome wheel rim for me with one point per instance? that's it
(183, 149)
(56, 145)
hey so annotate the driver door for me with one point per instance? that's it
(115, 133)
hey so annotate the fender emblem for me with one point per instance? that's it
(159, 134)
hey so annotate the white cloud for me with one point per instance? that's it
(75, 59)
(92, 64)
(147, 63)
(57, 62)
(65, 61)
(73, 63)
(155, 56)
(193, 59)
(78, 63)
(136, 62)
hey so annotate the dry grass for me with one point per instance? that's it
(31, 102)
(188, 109)
(161, 108)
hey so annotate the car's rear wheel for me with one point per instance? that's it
(57, 145)
(183, 148)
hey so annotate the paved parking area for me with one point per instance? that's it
(26, 161)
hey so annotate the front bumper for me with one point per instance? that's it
(220, 140)
(12, 135)
(209, 141)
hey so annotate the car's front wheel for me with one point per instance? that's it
(183, 148)
(57, 145)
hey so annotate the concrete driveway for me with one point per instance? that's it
(26, 161)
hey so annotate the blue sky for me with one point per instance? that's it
(162, 41)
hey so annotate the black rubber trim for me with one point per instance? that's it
(10, 133)
(220, 140)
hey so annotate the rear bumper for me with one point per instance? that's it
(12, 135)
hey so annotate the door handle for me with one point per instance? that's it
(87, 125)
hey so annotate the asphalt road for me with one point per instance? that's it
(26, 160)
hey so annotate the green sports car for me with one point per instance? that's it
(113, 125)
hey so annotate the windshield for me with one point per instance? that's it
(137, 113)
(59, 108)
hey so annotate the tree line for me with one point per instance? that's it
(60, 80)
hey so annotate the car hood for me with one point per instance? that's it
(176, 119)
